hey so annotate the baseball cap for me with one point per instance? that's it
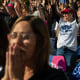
(11, 5)
(67, 10)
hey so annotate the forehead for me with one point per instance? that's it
(23, 26)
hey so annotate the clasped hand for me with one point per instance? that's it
(14, 68)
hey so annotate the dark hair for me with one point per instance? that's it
(43, 43)
(4, 30)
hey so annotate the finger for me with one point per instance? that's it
(13, 49)
(16, 50)
(6, 66)
(19, 53)
(10, 56)
(7, 62)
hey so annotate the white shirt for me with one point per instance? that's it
(68, 35)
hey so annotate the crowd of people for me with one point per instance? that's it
(30, 33)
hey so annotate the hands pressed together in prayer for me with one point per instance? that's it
(14, 68)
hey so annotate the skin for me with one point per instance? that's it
(27, 44)
(78, 13)
(68, 17)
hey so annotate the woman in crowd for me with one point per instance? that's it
(27, 58)
(4, 30)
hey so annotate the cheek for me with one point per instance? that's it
(30, 45)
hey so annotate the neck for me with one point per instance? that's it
(29, 72)
(30, 69)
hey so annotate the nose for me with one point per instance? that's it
(18, 40)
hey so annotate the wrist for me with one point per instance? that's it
(18, 78)
(4, 78)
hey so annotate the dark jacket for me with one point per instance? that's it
(50, 74)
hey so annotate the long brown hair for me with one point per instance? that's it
(43, 44)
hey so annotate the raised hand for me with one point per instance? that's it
(5, 3)
(43, 3)
(15, 4)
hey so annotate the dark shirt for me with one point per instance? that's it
(50, 74)
(47, 74)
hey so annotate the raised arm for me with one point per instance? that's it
(58, 12)
(41, 14)
(18, 9)
(78, 14)
(5, 5)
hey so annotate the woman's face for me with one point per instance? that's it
(67, 16)
(24, 38)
